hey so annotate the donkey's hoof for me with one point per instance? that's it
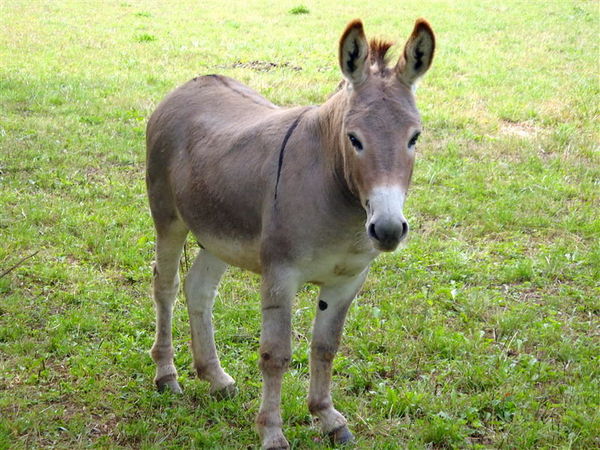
(168, 383)
(277, 443)
(341, 435)
(224, 392)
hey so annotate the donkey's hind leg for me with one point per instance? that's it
(169, 243)
(200, 290)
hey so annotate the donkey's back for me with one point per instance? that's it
(207, 117)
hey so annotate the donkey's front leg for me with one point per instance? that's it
(278, 290)
(334, 302)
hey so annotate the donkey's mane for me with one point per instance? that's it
(378, 49)
(378, 53)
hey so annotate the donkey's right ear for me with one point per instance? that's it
(354, 53)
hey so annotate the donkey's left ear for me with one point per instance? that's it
(418, 53)
(354, 53)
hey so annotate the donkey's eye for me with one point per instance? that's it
(355, 142)
(414, 139)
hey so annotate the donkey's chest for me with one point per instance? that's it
(332, 265)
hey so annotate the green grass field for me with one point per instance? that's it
(482, 332)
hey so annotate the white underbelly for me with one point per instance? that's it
(322, 266)
(240, 253)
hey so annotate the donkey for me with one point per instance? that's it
(298, 195)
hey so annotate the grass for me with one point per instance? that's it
(300, 9)
(482, 332)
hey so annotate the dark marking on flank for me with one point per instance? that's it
(322, 305)
(353, 56)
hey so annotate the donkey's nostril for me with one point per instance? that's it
(404, 229)
(372, 232)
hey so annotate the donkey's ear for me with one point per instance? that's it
(418, 53)
(354, 53)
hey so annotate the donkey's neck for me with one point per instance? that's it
(330, 118)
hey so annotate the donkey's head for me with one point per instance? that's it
(381, 125)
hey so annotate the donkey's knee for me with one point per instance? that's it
(165, 284)
(166, 294)
(323, 352)
(273, 360)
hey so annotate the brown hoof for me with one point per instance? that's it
(168, 383)
(341, 435)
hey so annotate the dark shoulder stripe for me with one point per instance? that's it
(288, 134)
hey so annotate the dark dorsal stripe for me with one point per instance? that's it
(288, 134)
(226, 83)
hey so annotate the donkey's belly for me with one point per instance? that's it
(243, 253)
(224, 214)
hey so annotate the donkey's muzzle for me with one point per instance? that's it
(386, 225)
(387, 234)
